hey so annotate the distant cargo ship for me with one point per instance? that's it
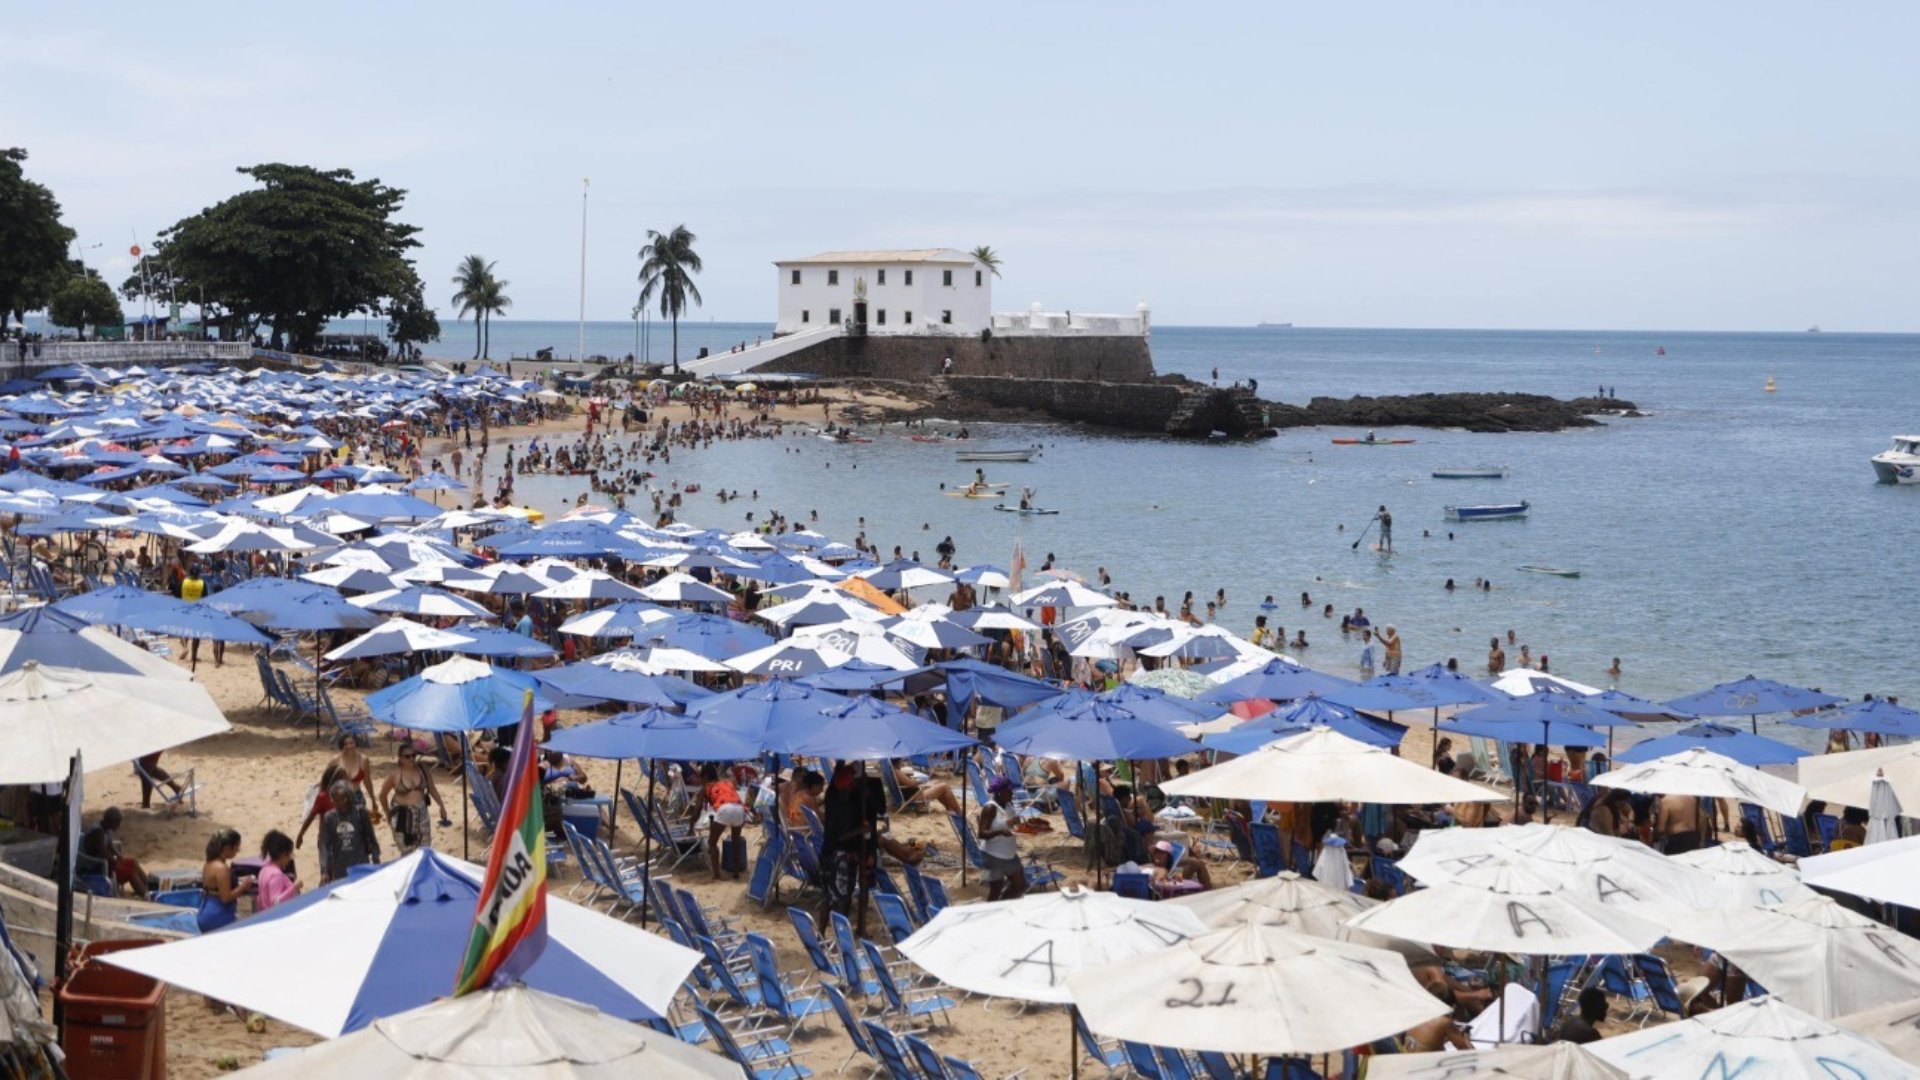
(1273, 326)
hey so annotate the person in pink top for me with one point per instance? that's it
(276, 885)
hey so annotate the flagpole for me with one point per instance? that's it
(582, 347)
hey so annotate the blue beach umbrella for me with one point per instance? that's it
(384, 505)
(575, 538)
(1158, 705)
(501, 644)
(1548, 732)
(865, 729)
(1729, 742)
(968, 679)
(752, 711)
(456, 696)
(859, 676)
(323, 609)
(1096, 731)
(1638, 709)
(1302, 715)
(606, 678)
(425, 600)
(53, 638)
(1749, 697)
(382, 944)
(196, 621)
(1454, 688)
(1279, 680)
(109, 605)
(436, 481)
(257, 592)
(654, 733)
(1392, 693)
(1879, 717)
(715, 637)
(1549, 715)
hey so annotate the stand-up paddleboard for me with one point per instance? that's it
(1472, 472)
(1004, 508)
(975, 494)
(1556, 571)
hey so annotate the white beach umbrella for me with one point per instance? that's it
(1883, 812)
(851, 607)
(1503, 907)
(1554, 1061)
(592, 585)
(680, 588)
(382, 944)
(864, 641)
(398, 635)
(1814, 954)
(1253, 989)
(1603, 869)
(247, 536)
(999, 618)
(48, 714)
(1322, 765)
(1702, 772)
(1848, 778)
(513, 1034)
(1066, 594)
(1747, 878)
(1286, 900)
(1520, 682)
(1027, 948)
(421, 600)
(1895, 1027)
(1759, 1039)
(1887, 872)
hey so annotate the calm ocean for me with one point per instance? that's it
(1729, 532)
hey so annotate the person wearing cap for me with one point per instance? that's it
(1006, 878)
(1191, 875)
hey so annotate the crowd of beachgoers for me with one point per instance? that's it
(862, 739)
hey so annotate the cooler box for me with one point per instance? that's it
(116, 1020)
(583, 816)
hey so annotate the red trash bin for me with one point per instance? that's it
(116, 1019)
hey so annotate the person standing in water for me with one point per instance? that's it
(1386, 529)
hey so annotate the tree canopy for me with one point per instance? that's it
(33, 242)
(84, 300)
(305, 246)
(667, 265)
(410, 321)
(484, 294)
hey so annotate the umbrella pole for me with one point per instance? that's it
(963, 778)
(1073, 1041)
(646, 858)
(466, 799)
(613, 807)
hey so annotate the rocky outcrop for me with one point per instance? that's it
(1469, 412)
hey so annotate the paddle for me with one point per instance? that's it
(1363, 534)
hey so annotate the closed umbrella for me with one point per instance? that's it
(516, 1033)
(1883, 812)
(49, 714)
(375, 946)
(1255, 989)
(1324, 766)
(1756, 1039)
(1707, 775)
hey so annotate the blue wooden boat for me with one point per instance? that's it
(1487, 512)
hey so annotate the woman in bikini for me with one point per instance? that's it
(357, 770)
(405, 793)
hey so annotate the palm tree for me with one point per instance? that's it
(493, 301)
(985, 256)
(472, 277)
(667, 264)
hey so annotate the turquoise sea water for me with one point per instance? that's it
(1730, 531)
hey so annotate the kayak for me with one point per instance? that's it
(1556, 571)
(1372, 442)
(1035, 512)
(1488, 512)
(990, 486)
(1472, 472)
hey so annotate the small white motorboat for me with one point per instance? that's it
(1488, 512)
(1900, 465)
(1556, 571)
(1472, 472)
(997, 455)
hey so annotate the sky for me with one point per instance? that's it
(1712, 166)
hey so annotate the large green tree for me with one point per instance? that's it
(33, 243)
(84, 300)
(411, 322)
(304, 247)
(667, 265)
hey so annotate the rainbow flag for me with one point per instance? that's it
(510, 921)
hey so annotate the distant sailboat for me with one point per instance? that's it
(1770, 387)
(1814, 329)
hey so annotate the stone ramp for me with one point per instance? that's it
(734, 363)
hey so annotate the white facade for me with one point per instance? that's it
(925, 291)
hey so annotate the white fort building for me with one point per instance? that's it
(921, 291)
